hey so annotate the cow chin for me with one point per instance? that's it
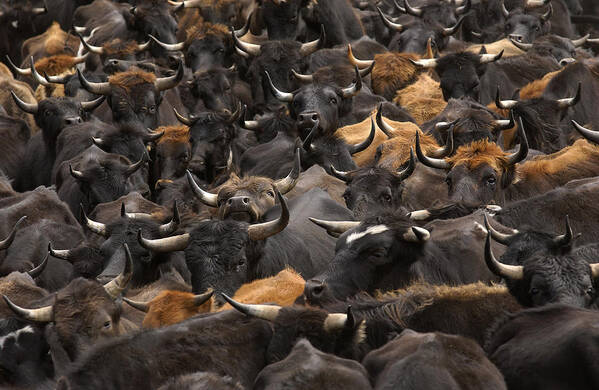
(241, 216)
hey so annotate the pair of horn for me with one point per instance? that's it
(198, 300)
(130, 170)
(254, 49)
(437, 161)
(413, 234)
(32, 108)
(191, 120)
(561, 103)
(46, 314)
(432, 63)
(531, 4)
(100, 50)
(308, 78)
(527, 46)
(401, 175)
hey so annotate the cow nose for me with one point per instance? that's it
(314, 289)
(238, 201)
(566, 61)
(72, 120)
(516, 37)
(308, 118)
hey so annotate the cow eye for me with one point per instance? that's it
(590, 291)
(152, 109)
(379, 253)
(537, 28)
(47, 113)
(491, 181)
(333, 100)
(534, 291)
(107, 325)
(270, 193)
(386, 198)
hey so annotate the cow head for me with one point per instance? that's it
(221, 254)
(377, 251)
(248, 198)
(113, 50)
(173, 153)
(280, 17)
(525, 28)
(153, 18)
(562, 50)
(478, 173)
(127, 140)
(214, 88)
(134, 95)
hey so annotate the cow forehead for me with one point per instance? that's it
(371, 230)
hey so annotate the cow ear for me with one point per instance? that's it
(483, 50)
(508, 177)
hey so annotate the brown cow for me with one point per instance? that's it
(173, 153)
(423, 99)
(53, 42)
(23, 92)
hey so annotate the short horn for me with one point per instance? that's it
(594, 270)
(486, 58)
(506, 271)
(286, 184)
(164, 83)
(96, 88)
(384, 126)
(64, 254)
(116, 286)
(590, 135)
(407, 171)
(416, 234)
(464, 9)
(200, 299)
(92, 105)
(30, 108)
(286, 97)
(96, 227)
(37, 271)
(304, 78)
(234, 116)
(428, 161)
(522, 152)
(265, 312)
(88, 47)
(353, 89)
(142, 306)
(445, 150)
(205, 197)
(520, 45)
(357, 148)
(504, 124)
(430, 63)
(310, 47)
(414, 11)
(356, 62)
(444, 126)
(11, 236)
(537, 3)
(261, 231)
(164, 245)
(569, 102)
(566, 238)
(169, 46)
(504, 104)
(173, 224)
(342, 175)
(504, 11)
(43, 314)
(581, 41)
(246, 27)
(185, 120)
(131, 169)
(335, 226)
(501, 238)
(249, 48)
(367, 71)
(449, 31)
(334, 322)
(391, 25)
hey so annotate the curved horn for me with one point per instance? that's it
(430, 63)
(504, 104)
(501, 238)
(506, 271)
(164, 245)
(504, 124)
(569, 102)
(58, 79)
(335, 226)
(341, 175)
(97, 88)
(142, 306)
(64, 254)
(504, 10)
(286, 184)
(391, 25)
(353, 89)
(43, 314)
(486, 58)
(88, 47)
(443, 126)
(168, 46)
(200, 299)
(92, 105)
(430, 162)
(384, 126)
(186, 121)
(416, 234)
(310, 47)
(334, 321)
(153, 136)
(520, 45)
(357, 148)
(566, 238)
(249, 48)
(30, 108)
(445, 150)
(280, 95)
(11, 236)
(170, 227)
(205, 197)
(522, 152)
(414, 11)
(399, 7)
(265, 312)
(116, 286)
(449, 31)
(545, 17)
(131, 169)
(78, 175)
(366, 72)
(37, 271)
(164, 83)
(36, 76)
(581, 41)
(21, 71)
(536, 3)
(304, 78)
(235, 115)
(404, 174)
(241, 52)
(356, 62)
(261, 231)
(464, 9)
(96, 227)
(590, 135)
(246, 27)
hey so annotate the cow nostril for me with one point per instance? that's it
(245, 200)
(230, 201)
(314, 117)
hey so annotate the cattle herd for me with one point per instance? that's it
(299, 194)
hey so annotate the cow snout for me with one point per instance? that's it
(72, 120)
(308, 119)
(238, 202)
(565, 61)
(314, 290)
(517, 37)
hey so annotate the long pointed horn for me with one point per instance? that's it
(404, 174)
(116, 286)
(506, 271)
(501, 238)
(334, 321)
(37, 271)
(428, 161)
(36, 76)
(286, 184)
(399, 7)
(520, 45)
(504, 104)
(57, 79)
(96, 227)
(430, 63)
(142, 306)
(43, 314)
(21, 71)
(504, 124)
(168, 46)
(97, 88)
(88, 47)
(205, 197)
(581, 41)
(356, 62)
(504, 11)
(590, 135)
(286, 97)
(304, 78)
(449, 31)
(391, 25)
(131, 169)
(536, 3)
(594, 270)
(335, 226)
(353, 89)
(357, 148)
(310, 47)
(261, 231)
(11, 236)
(384, 126)
(341, 175)
(445, 150)
(414, 11)
(200, 299)
(164, 83)
(186, 121)
(30, 108)
(170, 227)
(92, 105)
(246, 27)
(249, 48)
(566, 238)
(444, 126)
(265, 312)
(64, 254)
(164, 245)
(486, 58)
(464, 9)
(522, 152)
(569, 102)
(545, 17)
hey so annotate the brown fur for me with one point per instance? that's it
(20, 289)
(24, 92)
(205, 29)
(4, 71)
(55, 65)
(423, 99)
(393, 71)
(52, 42)
(478, 153)
(396, 151)
(118, 48)
(509, 49)
(173, 134)
(129, 79)
(171, 307)
(191, 17)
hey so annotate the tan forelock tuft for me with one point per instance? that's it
(478, 153)
(423, 99)
(396, 151)
(173, 134)
(118, 48)
(205, 29)
(134, 76)
(55, 65)
(393, 71)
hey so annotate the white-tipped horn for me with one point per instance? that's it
(205, 197)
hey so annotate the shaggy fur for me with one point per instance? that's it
(396, 151)
(393, 71)
(131, 78)
(356, 133)
(479, 153)
(173, 134)
(171, 307)
(52, 42)
(423, 99)
(205, 29)
(118, 48)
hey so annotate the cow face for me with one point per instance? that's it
(173, 153)
(213, 87)
(563, 50)
(154, 18)
(281, 18)
(525, 28)
(206, 53)
(246, 199)
(129, 141)
(319, 103)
